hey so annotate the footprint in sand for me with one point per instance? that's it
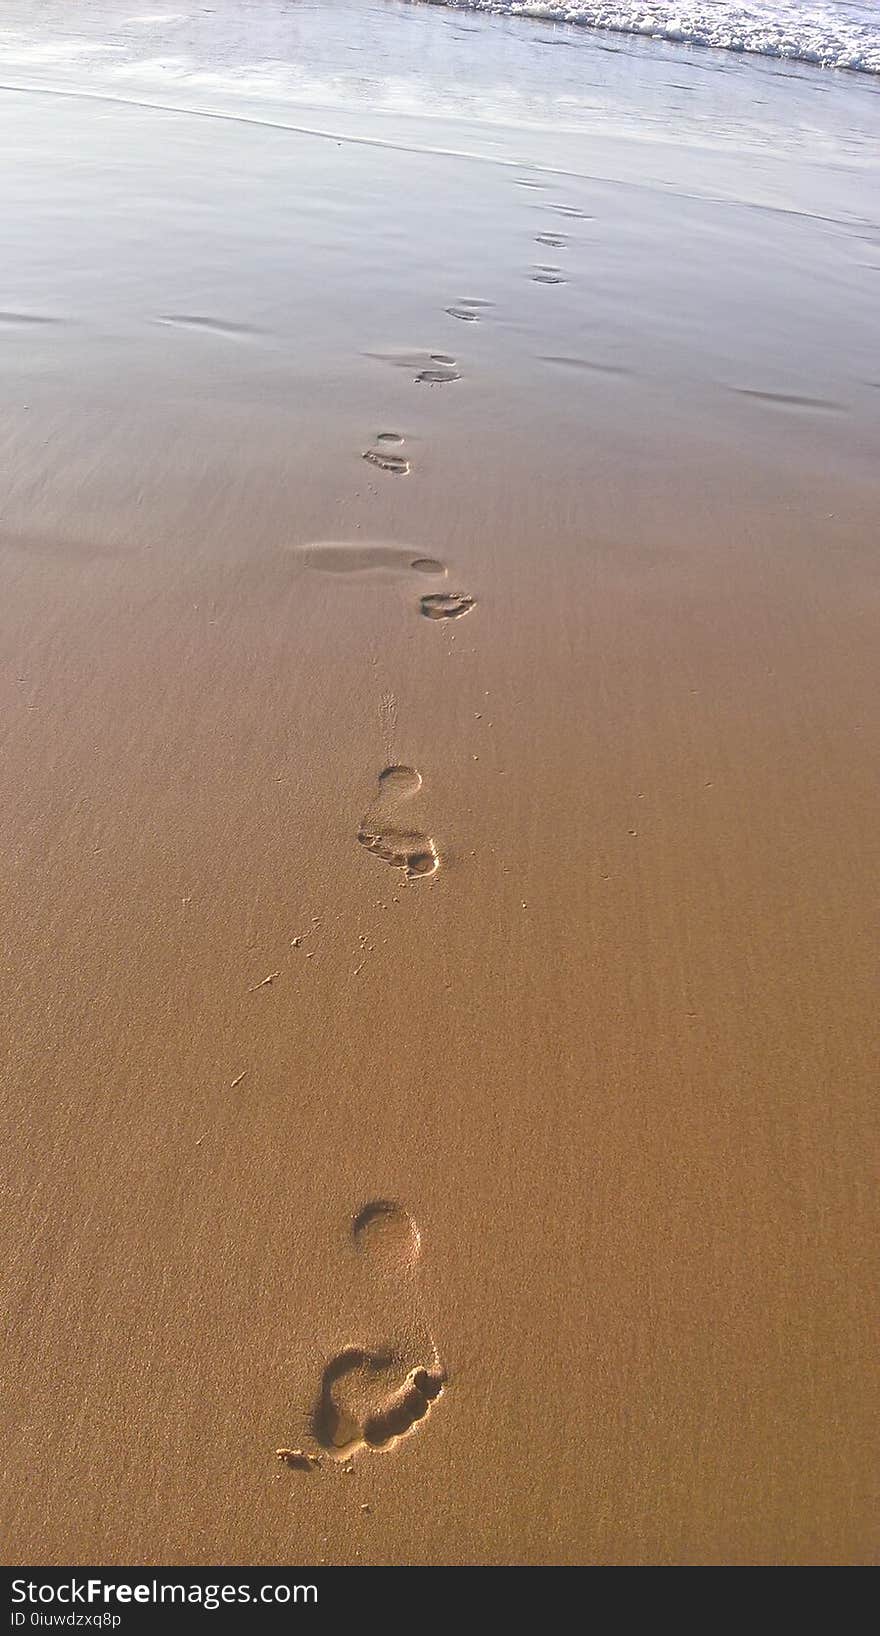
(547, 275)
(440, 370)
(447, 605)
(387, 1235)
(468, 311)
(428, 368)
(387, 454)
(367, 1401)
(408, 849)
(371, 1396)
(375, 557)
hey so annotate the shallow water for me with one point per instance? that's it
(827, 33)
(391, 70)
(158, 209)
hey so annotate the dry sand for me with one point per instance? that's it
(606, 1070)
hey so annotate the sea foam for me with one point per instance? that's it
(827, 33)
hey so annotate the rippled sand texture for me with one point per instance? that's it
(438, 640)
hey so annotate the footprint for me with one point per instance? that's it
(547, 275)
(468, 311)
(430, 368)
(443, 605)
(396, 463)
(399, 783)
(341, 557)
(440, 370)
(370, 1400)
(372, 1395)
(553, 241)
(385, 1233)
(406, 849)
(386, 453)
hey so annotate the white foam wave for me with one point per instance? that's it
(828, 33)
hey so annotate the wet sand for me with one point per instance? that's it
(527, 1191)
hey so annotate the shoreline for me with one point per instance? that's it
(533, 1190)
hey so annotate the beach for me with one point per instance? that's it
(438, 539)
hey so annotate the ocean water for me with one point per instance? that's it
(478, 79)
(828, 33)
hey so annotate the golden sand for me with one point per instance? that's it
(516, 1213)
